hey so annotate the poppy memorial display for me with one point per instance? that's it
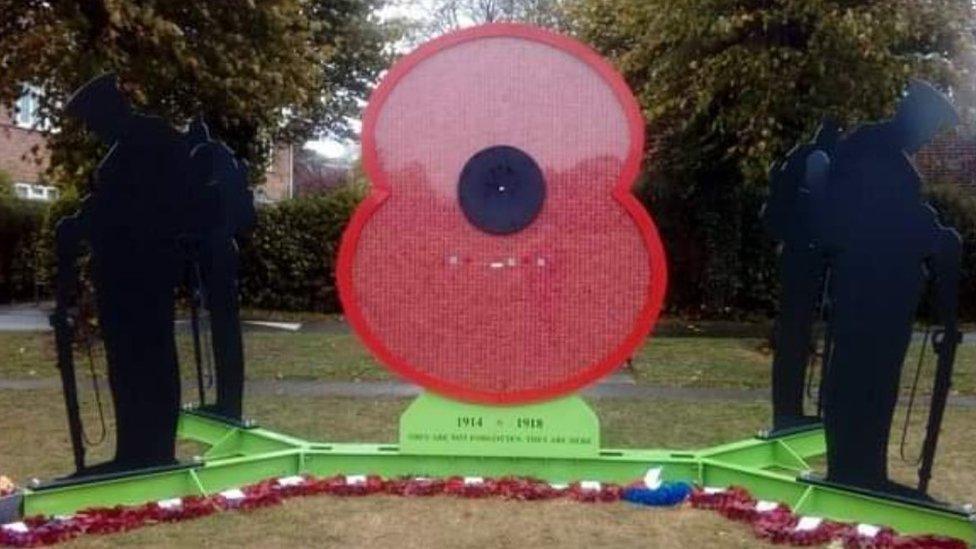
(502, 162)
(501, 263)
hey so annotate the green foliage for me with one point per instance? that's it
(721, 262)
(6, 185)
(728, 86)
(66, 205)
(289, 261)
(258, 70)
(20, 234)
(957, 209)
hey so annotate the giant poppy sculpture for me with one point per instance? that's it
(501, 256)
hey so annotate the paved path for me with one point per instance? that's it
(24, 318)
(31, 318)
(377, 389)
(612, 388)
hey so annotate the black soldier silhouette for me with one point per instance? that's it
(789, 216)
(131, 221)
(221, 182)
(160, 200)
(880, 243)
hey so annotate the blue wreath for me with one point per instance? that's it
(666, 495)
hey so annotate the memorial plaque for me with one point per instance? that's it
(564, 427)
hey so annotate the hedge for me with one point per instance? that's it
(20, 236)
(721, 263)
(957, 208)
(288, 262)
(733, 258)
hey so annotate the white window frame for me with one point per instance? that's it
(35, 192)
(22, 190)
(25, 114)
(261, 196)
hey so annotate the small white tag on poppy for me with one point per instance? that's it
(808, 524)
(766, 506)
(421, 479)
(590, 485)
(294, 480)
(233, 494)
(16, 527)
(712, 490)
(497, 265)
(559, 485)
(867, 530)
(473, 481)
(169, 504)
(63, 518)
(355, 479)
(652, 479)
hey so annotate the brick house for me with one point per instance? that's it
(951, 158)
(315, 173)
(19, 139)
(18, 143)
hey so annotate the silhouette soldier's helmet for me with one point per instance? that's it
(102, 107)
(922, 113)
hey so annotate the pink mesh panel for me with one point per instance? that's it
(500, 318)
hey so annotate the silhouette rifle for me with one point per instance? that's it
(68, 237)
(947, 262)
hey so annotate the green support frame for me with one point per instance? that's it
(236, 456)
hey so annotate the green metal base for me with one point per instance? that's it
(768, 468)
(94, 479)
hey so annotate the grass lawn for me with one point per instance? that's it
(443, 522)
(269, 355)
(736, 362)
(300, 355)
(34, 443)
(27, 354)
(745, 363)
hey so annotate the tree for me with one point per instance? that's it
(259, 71)
(448, 15)
(728, 86)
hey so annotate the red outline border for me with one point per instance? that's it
(621, 192)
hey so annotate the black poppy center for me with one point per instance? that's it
(501, 190)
